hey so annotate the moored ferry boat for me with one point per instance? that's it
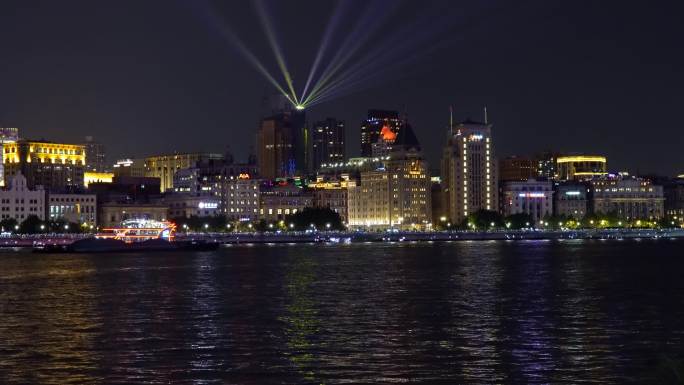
(132, 235)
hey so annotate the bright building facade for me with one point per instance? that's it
(532, 197)
(469, 171)
(581, 167)
(55, 166)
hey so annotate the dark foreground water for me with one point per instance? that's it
(467, 312)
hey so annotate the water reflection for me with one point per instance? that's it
(465, 312)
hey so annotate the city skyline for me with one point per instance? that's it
(598, 89)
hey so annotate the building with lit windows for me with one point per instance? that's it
(283, 143)
(327, 138)
(394, 192)
(75, 208)
(284, 198)
(129, 168)
(580, 167)
(515, 168)
(378, 123)
(242, 198)
(546, 165)
(627, 197)
(570, 200)
(469, 171)
(18, 201)
(331, 194)
(55, 166)
(7, 135)
(531, 197)
(164, 167)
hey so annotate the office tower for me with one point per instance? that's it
(469, 170)
(327, 143)
(377, 123)
(282, 144)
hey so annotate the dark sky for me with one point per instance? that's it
(152, 76)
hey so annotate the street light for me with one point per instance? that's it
(327, 225)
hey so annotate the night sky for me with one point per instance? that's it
(149, 77)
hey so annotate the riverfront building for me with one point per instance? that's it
(628, 198)
(570, 200)
(76, 208)
(394, 192)
(19, 201)
(283, 199)
(532, 197)
(55, 166)
(469, 171)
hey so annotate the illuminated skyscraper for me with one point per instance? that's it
(372, 128)
(327, 143)
(282, 143)
(469, 170)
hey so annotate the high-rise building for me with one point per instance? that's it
(580, 167)
(281, 144)
(96, 159)
(469, 171)
(55, 166)
(164, 167)
(394, 192)
(327, 143)
(7, 135)
(379, 123)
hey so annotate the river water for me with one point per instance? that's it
(461, 312)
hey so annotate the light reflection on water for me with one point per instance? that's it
(462, 312)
